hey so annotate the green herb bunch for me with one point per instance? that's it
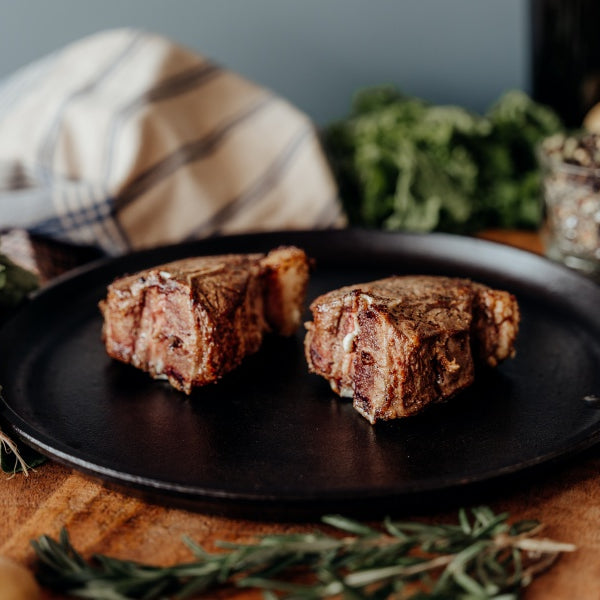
(482, 556)
(404, 164)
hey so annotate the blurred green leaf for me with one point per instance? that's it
(15, 283)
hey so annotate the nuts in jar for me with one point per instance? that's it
(571, 183)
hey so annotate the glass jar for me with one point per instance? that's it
(571, 191)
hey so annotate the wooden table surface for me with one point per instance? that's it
(105, 521)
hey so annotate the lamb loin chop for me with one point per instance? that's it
(399, 344)
(193, 320)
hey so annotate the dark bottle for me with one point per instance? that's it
(566, 56)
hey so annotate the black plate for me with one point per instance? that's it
(271, 439)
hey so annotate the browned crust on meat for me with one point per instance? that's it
(399, 344)
(193, 320)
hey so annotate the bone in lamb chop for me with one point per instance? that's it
(193, 320)
(397, 345)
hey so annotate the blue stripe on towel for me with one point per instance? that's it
(48, 146)
(14, 89)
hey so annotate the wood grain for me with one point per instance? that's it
(566, 499)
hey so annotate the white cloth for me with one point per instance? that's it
(124, 140)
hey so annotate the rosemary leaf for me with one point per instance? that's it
(391, 529)
(496, 525)
(349, 525)
(463, 519)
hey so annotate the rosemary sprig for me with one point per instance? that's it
(481, 557)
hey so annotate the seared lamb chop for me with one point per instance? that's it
(401, 343)
(193, 320)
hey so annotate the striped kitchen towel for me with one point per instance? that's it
(125, 140)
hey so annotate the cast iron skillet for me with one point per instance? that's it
(272, 440)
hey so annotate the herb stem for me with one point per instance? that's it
(7, 445)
